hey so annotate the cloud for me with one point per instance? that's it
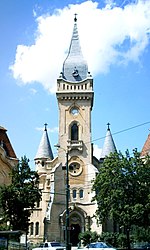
(51, 130)
(108, 35)
(97, 151)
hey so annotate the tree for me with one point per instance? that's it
(88, 237)
(18, 199)
(122, 190)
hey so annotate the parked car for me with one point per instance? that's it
(141, 246)
(100, 246)
(50, 246)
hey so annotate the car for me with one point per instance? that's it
(141, 246)
(50, 246)
(100, 246)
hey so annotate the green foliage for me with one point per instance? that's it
(141, 234)
(123, 190)
(109, 238)
(19, 198)
(88, 236)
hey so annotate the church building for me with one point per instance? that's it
(75, 150)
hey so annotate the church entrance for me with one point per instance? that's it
(74, 233)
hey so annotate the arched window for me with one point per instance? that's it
(74, 194)
(31, 228)
(37, 228)
(74, 132)
(38, 203)
(81, 193)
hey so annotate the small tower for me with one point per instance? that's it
(44, 152)
(43, 159)
(109, 145)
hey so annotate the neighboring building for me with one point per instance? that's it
(75, 101)
(8, 157)
(146, 148)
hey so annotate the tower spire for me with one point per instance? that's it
(44, 150)
(109, 145)
(75, 67)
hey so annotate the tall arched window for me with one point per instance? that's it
(74, 132)
(74, 193)
(81, 193)
(37, 228)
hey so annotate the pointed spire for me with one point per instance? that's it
(75, 67)
(44, 150)
(109, 145)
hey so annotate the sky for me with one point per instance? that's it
(115, 41)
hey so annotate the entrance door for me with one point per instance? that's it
(74, 233)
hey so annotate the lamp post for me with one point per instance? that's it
(67, 229)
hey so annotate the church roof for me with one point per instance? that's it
(75, 67)
(146, 147)
(109, 145)
(44, 150)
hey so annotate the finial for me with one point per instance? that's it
(75, 17)
(45, 126)
(108, 124)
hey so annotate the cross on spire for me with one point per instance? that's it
(75, 17)
(108, 124)
(45, 129)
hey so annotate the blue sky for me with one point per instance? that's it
(35, 37)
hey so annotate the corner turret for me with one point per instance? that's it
(44, 152)
(109, 145)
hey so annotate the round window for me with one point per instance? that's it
(74, 111)
(75, 168)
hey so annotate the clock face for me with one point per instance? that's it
(74, 111)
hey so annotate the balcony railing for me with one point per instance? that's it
(75, 144)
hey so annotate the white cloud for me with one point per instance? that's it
(97, 151)
(51, 130)
(33, 91)
(111, 35)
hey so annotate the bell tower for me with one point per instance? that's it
(75, 101)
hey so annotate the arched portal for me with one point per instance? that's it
(77, 223)
(74, 233)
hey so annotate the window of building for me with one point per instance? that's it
(74, 132)
(31, 228)
(38, 203)
(81, 193)
(74, 193)
(37, 228)
(75, 168)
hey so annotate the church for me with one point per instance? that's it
(66, 180)
(75, 96)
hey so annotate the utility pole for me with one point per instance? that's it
(67, 204)
(67, 228)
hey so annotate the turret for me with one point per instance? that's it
(109, 145)
(44, 152)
